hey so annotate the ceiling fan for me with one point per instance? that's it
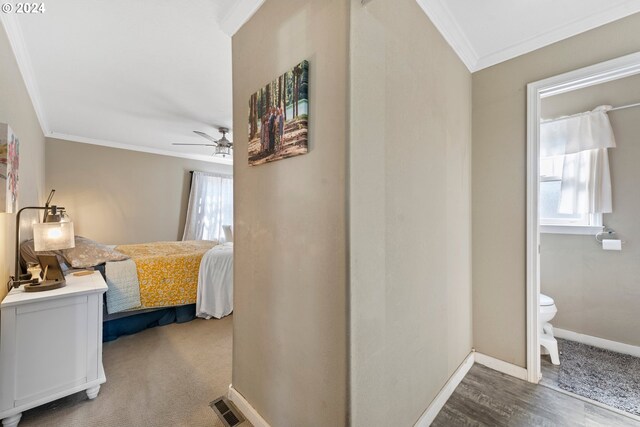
(223, 147)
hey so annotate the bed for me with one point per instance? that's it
(215, 283)
(156, 283)
(167, 272)
(184, 279)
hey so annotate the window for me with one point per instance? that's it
(210, 206)
(551, 220)
(575, 181)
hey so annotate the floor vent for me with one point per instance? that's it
(227, 412)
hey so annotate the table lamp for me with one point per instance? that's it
(47, 236)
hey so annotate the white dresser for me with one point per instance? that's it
(50, 345)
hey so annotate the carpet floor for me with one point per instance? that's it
(601, 375)
(165, 376)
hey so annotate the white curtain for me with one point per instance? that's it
(582, 141)
(210, 206)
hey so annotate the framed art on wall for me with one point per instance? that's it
(9, 162)
(279, 117)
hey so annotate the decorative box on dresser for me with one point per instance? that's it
(50, 345)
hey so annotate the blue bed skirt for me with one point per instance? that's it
(112, 329)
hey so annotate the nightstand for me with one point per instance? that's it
(50, 345)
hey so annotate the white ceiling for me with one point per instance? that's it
(132, 74)
(143, 74)
(486, 32)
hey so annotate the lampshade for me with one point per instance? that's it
(51, 236)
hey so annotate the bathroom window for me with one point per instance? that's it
(575, 180)
(550, 220)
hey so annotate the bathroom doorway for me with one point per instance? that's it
(583, 236)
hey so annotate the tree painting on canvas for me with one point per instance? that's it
(278, 117)
(9, 162)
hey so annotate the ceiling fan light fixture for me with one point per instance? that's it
(222, 150)
(222, 147)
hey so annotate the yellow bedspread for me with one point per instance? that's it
(167, 271)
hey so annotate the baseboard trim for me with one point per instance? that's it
(501, 366)
(445, 393)
(618, 347)
(245, 407)
(430, 414)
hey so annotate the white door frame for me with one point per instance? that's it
(600, 73)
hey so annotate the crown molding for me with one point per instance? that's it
(139, 148)
(444, 21)
(16, 40)
(239, 13)
(559, 33)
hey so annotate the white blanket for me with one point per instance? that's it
(124, 288)
(215, 283)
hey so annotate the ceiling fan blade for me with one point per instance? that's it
(207, 136)
(201, 145)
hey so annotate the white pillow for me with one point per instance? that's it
(228, 233)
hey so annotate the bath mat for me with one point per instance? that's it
(602, 375)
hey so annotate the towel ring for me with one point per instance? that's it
(609, 232)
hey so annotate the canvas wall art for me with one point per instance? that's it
(9, 162)
(279, 117)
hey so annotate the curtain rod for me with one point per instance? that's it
(622, 107)
(221, 174)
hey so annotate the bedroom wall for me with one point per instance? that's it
(410, 212)
(290, 274)
(119, 196)
(598, 292)
(17, 110)
(499, 179)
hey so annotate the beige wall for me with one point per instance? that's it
(17, 110)
(410, 212)
(290, 275)
(499, 179)
(598, 292)
(119, 196)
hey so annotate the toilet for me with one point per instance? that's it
(548, 343)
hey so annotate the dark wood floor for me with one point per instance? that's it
(489, 398)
